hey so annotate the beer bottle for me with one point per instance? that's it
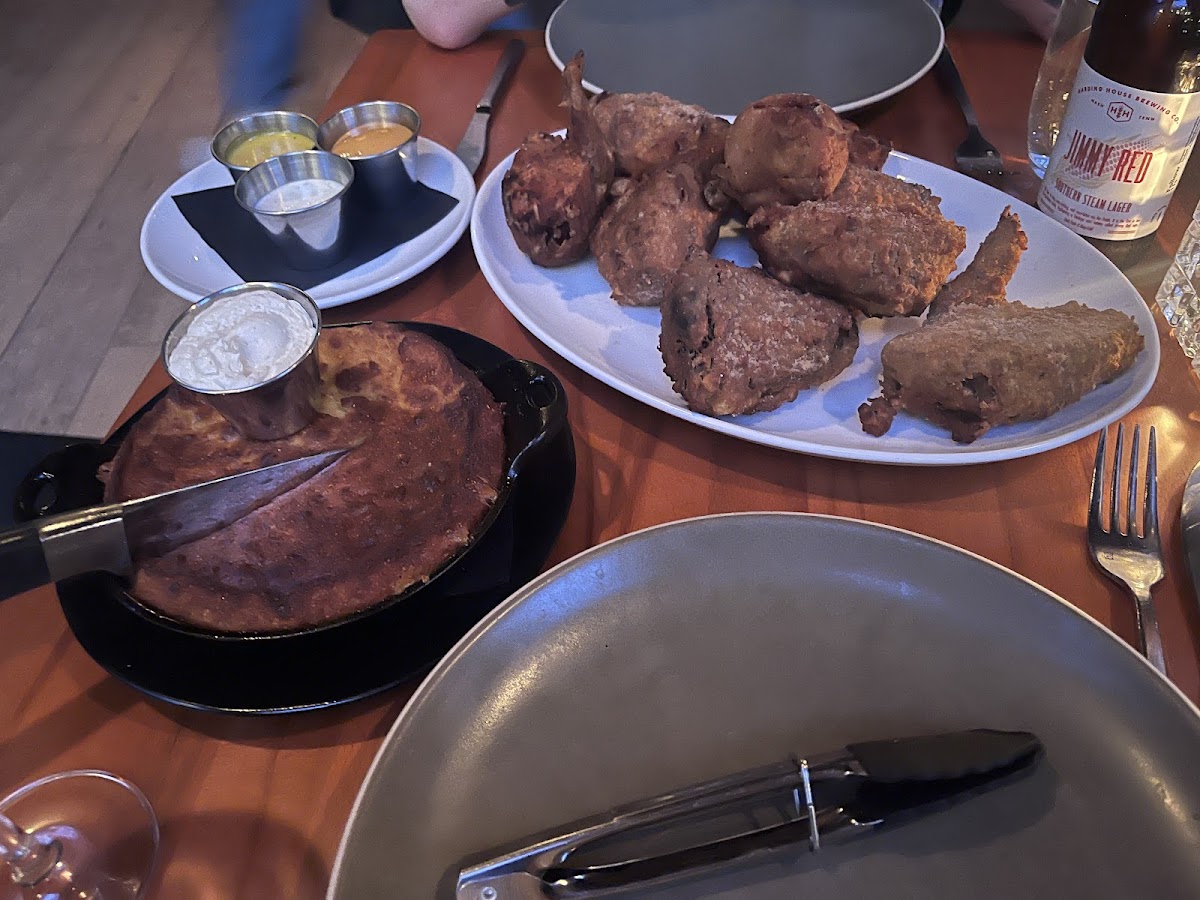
(1131, 121)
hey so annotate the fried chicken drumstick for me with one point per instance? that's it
(555, 189)
(735, 340)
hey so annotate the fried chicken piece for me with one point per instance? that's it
(866, 150)
(866, 187)
(583, 130)
(980, 366)
(647, 232)
(550, 200)
(556, 187)
(650, 130)
(783, 149)
(985, 279)
(735, 340)
(882, 261)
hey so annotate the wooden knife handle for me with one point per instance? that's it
(22, 561)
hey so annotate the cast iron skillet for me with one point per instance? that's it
(360, 654)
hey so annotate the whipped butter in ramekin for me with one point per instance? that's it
(250, 352)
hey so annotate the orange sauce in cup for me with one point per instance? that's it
(367, 140)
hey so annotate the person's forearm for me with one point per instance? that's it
(454, 23)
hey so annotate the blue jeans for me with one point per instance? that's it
(262, 44)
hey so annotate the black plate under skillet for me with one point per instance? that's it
(354, 658)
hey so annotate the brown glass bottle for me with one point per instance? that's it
(1152, 45)
(1131, 121)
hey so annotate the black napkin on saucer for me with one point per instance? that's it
(247, 249)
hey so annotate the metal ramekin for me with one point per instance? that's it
(386, 177)
(312, 237)
(275, 408)
(277, 120)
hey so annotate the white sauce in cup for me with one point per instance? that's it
(241, 341)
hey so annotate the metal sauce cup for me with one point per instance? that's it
(386, 178)
(275, 408)
(310, 237)
(278, 120)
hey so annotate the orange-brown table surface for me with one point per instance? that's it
(255, 807)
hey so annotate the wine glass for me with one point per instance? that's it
(80, 835)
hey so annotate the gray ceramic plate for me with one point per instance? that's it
(724, 54)
(702, 647)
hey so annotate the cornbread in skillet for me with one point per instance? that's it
(427, 461)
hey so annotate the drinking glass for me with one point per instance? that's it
(1056, 78)
(80, 835)
(1177, 296)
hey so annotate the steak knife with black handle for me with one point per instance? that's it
(109, 538)
(808, 800)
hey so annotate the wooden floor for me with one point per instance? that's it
(96, 100)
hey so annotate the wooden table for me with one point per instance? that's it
(255, 807)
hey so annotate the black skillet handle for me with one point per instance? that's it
(22, 562)
(535, 406)
(62, 481)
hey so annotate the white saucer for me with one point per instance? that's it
(185, 265)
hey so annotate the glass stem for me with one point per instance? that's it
(29, 859)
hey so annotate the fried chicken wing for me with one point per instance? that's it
(735, 340)
(650, 130)
(985, 279)
(550, 201)
(866, 187)
(647, 232)
(882, 261)
(783, 149)
(980, 366)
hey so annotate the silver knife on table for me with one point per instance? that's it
(474, 142)
(1191, 526)
(109, 538)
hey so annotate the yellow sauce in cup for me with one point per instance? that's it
(252, 149)
(367, 140)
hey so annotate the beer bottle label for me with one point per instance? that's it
(1118, 157)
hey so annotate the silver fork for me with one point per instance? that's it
(1126, 557)
(975, 156)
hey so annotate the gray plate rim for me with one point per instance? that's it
(560, 64)
(438, 672)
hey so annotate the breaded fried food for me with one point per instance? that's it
(735, 340)
(866, 187)
(976, 367)
(556, 187)
(783, 149)
(881, 261)
(550, 202)
(583, 130)
(866, 150)
(647, 232)
(650, 130)
(984, 281)
(428, 451)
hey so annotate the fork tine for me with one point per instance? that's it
(1098, 481)
(1131, 515)
(1150, 510)
(1113, 506)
